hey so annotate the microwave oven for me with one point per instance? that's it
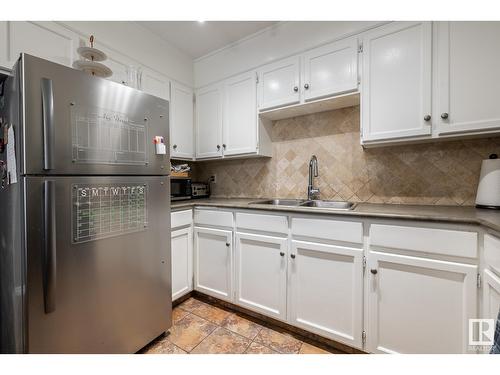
(180, 189)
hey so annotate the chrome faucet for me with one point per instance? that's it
(312, 192)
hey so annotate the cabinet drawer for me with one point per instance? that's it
(213, 218)
(181, 218)
(427, 240)
(346, 231)
(265, 223)
(492, 253)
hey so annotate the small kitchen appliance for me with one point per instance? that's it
(488, 190)
(180, 188)
(200, 190)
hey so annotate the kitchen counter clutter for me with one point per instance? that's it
(490, 219)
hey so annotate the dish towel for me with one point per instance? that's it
(495, 349)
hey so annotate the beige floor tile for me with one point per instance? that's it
(280, 342)
(190, 331)
(222, 341)
(164, 347)
(241, 326)
(311, 349)
(178, 314)
(192, 305)
(256, 348)
(211, 313)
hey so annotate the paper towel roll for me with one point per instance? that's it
(488, 190)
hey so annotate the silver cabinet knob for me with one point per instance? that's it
(427, 117)
(373, 271)
(224, 146)
(292, 256)
(218, 147)
(444, 115)
(306, 86)
(228, 244)
(282, 253)
(174, 146)
(295, 88)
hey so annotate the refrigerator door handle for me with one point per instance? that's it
(49, 246)
(48, 123)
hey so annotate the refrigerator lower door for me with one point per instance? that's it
(98, 263)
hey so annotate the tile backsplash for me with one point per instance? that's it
(442, 172)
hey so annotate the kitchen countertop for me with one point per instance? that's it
(451, 214)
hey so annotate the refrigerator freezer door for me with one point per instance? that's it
(98, 263)
(79, 124)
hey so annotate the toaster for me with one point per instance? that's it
(200, 190)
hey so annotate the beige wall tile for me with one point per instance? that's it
(431, 173)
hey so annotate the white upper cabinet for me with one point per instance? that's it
(155, 84)
(279, 83)
(209, 122)
(396, 81)
(240, 125)
(468, 74)
(331, 69)
(181, 122)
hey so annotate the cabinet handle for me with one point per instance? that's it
(218, 147)
(282, 253)
(228, 244)
(295, 88)
(174, 146)
(306, 86)
(373, 271)
(224, 146)
(444, 115)
(292, 256)
(427, 118)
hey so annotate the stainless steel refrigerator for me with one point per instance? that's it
(85, 213)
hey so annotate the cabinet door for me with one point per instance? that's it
(209, 122)
(326, 290)
(331, 69)
(396, 81)
(213, 262)
(182, 262)
(181, 122)
(155, 84)
(491, 295)
(240, 115)
(468, 56)
(279, 83)
(261, 274)
(418, 305)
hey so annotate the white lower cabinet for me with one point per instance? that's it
(213, 262)
(491, 295)
(417, 305)
(260, 266)
(326, 290)
(182, 262)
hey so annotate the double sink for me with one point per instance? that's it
(331, 205)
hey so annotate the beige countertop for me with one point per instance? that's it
(451, 214)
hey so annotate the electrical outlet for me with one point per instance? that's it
(212, 179)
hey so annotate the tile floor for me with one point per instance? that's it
(200, 328)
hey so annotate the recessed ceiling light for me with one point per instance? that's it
(201, 21)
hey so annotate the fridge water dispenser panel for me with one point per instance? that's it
(107, 137)
(107, 210)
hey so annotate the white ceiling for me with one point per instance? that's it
(199, 38)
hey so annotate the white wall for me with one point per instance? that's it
(126, 43)
(276, 42)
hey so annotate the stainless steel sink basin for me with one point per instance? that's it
(282, 202)
(332, 205)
